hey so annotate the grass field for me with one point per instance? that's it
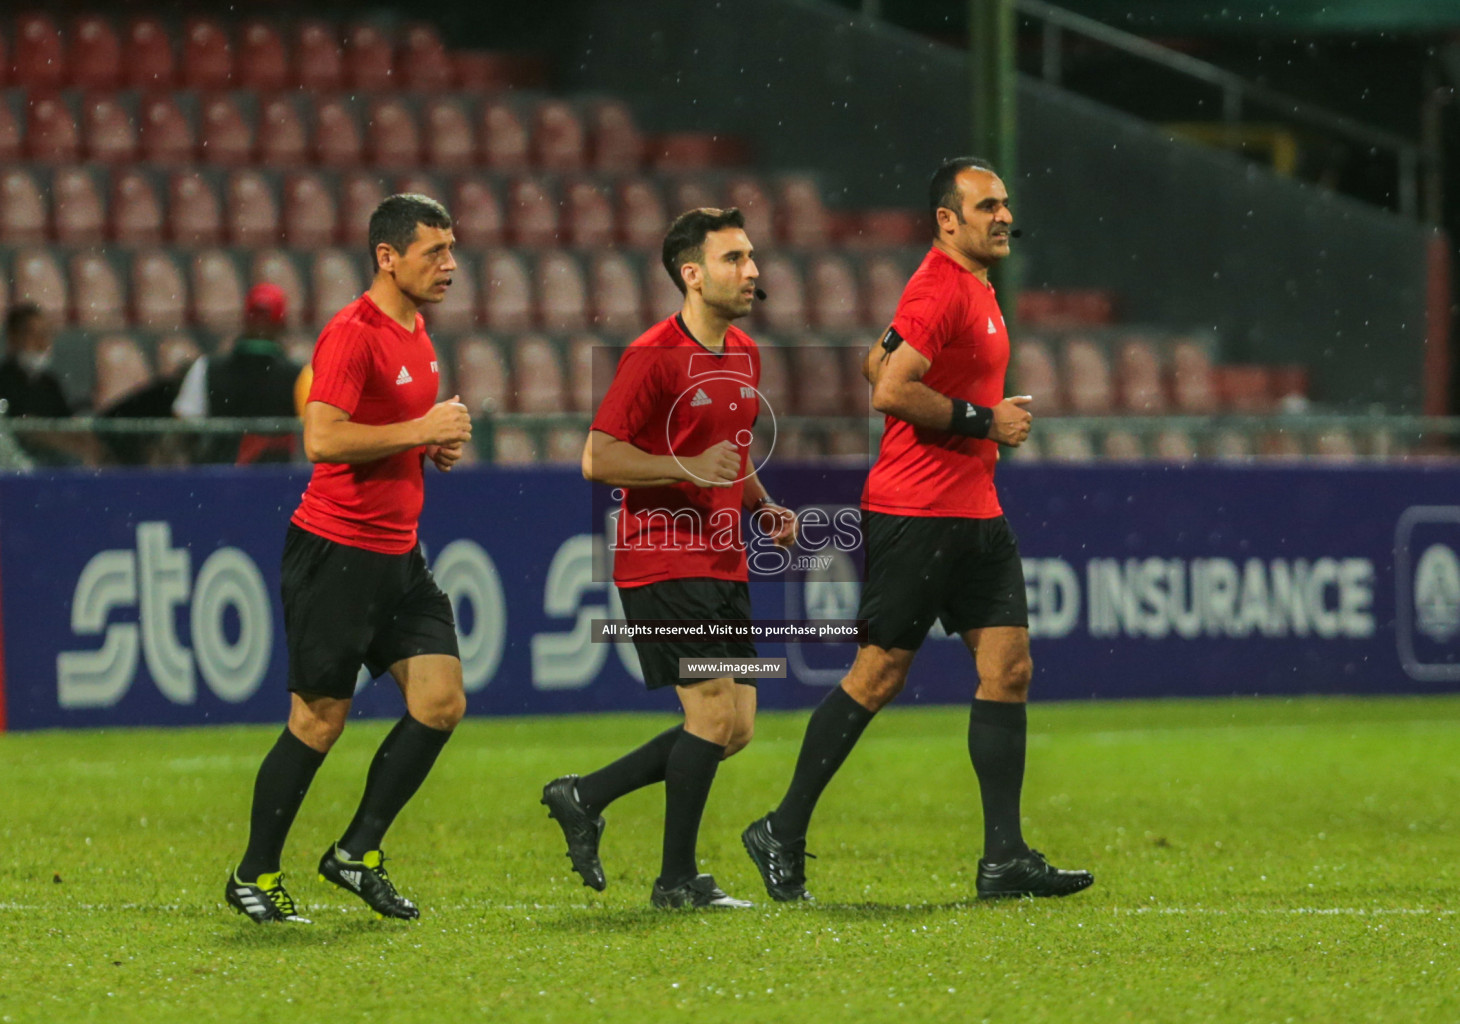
(1256, 860)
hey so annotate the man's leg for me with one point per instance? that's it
(997, 729)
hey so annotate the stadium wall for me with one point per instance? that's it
(136, 598)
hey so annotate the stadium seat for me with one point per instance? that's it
(319, 63)
(835, 304)
(502, 137)
(175, 354)
(616, 143)
(1087, 380)
(514, 447)
(51, 135)
(1032, 372)
(477, 213)
(1245, 388)
(36, 277)
(785, 308)
(642, 217)
(1335, 445)
(532, 213)
(1139, 374)
(98, 298)
(159, 292)
(1065, 445)
(136, 212)
(803, 220)
(617, 301)
(849, 446)
(278, 267)
(147, 58)
(558, 144)
(883, 278)
(369, 59)
(425, 63)
(506, 293)
(10, 142)
(23, 215)
(485, 71)
(207, 55)
(108, 131)
(775, 381)
(1231, 446)
(78, 214)
(1174, 446)
(1280, 445)
(888, 229)
(459, 311)
(677, 152)
(563, 446)
(39, 61)
(421, 184)
(263, 64)
(481, 376)
(121, 368)
(336, 280)
(858, 392)
(217, 291)
(588, 216)
(310, 220)
(449, 141)
(360, 194)
(816, 378)
(283, 140)
(755, 203)
(194, 215)
(537, 376)
(337, 141)
(94, 53)
(164, 132)
(224, 136)
(252, 211)
(1193, 384)
(583, 352)
(562, 293)
(661, 297)
(689, 193)
(392, 138)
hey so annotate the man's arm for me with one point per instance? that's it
(607, 460)
(330, 435)
(900, 392)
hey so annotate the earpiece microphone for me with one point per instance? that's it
(760, 294)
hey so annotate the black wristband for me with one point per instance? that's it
(971, 420)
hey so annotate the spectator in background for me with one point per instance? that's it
(255, 378)
(29, 388)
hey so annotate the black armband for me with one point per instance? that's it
(971, 420)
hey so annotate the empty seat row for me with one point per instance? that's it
(1062, 444)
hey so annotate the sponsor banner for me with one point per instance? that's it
(153, 598)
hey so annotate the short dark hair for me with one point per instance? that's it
(394, 221)
(19, 318)
(943, 190)
(685, 242)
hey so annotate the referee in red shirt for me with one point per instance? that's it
(356, 587)
(938, 546)
(671, 432)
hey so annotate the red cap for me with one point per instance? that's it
(265, 302)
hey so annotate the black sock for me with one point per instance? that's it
(640, 767)
(283, 779)
(833, 731)
(688, 775)
(996, 739)
(401, 764)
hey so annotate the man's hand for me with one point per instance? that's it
(447, 423)
(1011, 421)
(778, 523)
(717, 466)
(445, 455)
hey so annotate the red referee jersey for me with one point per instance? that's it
(953, 319)
(377, 371)
(672, 396)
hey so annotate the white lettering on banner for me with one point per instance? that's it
(1155, 597)
(466, 572)
(155, 579)
(1052, 588)
(571, 660)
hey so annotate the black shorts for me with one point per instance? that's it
(345, 607)
(701, 599)
(964, 572)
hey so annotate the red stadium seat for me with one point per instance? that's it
(224, 136)
(642, 218)
(816, 375)
(477, 213)
(263, 64)
(207, 57)
(310, 220)
(194, 214)
(785, 309)
(94, 53)
(484, 71)
(1231, 446)
(425, 63)
(481, 376)
(121, 368)
(40, 53)
(589, 216)
(136, 212)
(1139, 373)
(1174, 446)
(661, 298)
(558, 143)
(563, 446)
(166, 135)
(506, 293)
(1245, 388)
(369, 59)
(1065, 445)
(10, 147)
(422, 185)
(449, 141)
(147, 58)
(159, 292)
(337, 141)
(283, 139)
(689, 194)
(885, 229)
(319, 63)
(253, 210)
(1281, 445)
(336, 281)
(278, 267)
(109, 131)
(617, 300)
(217, 291)
(616, 142)
(50, 135)
(537, 376)
(37, 277)
(514, 447)
(1122, 446)
(360, 194)
(98, 298)
(502, 138)
(696, 151)
(775, 382)
(753, 201)
(562, 293)
(835, 297)
(803, 220)
(459, 311)
(1087, 378)
(392, 137)
(23, 216)
(1193, 384)
(1033, 372)
(175, 354)
(883, 279)
(532, 213)
(79, 213)
(580, 362)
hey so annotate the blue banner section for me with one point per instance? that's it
(140, 598)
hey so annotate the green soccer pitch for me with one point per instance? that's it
(1255, 860)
